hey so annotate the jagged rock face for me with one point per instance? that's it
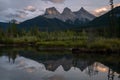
(82, 14)
(67, 14)
(51, 11)
(66, 11)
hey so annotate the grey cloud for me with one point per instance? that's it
(16, 14)
(20, 9)
(10, 14)
(3, 5)
(16, 4)
(55, 1)
(21, 12)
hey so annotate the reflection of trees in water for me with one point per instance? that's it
(12, 56)
(92, 70)
(1, 54)
(80, 63)
(110, 74)
(119, 76)
(74, 61)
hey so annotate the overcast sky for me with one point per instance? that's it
(26, 9)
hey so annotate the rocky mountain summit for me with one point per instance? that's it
(67, 14)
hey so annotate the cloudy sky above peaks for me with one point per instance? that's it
(27, 9)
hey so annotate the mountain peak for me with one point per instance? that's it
(66, 10)
(84, 14)
(51, 11)
(82, 9)
(67, 14)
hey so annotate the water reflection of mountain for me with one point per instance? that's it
(67, 60)
(66, 64)
(53, 61)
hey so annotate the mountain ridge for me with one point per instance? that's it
(54, 24)
(67, 14)
(45, 24)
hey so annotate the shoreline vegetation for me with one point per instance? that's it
(98, 45)
(61, 40)
(85, 40)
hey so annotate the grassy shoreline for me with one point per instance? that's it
(99, 45)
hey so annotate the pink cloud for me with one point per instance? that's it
(103, 10)
(30, 8)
